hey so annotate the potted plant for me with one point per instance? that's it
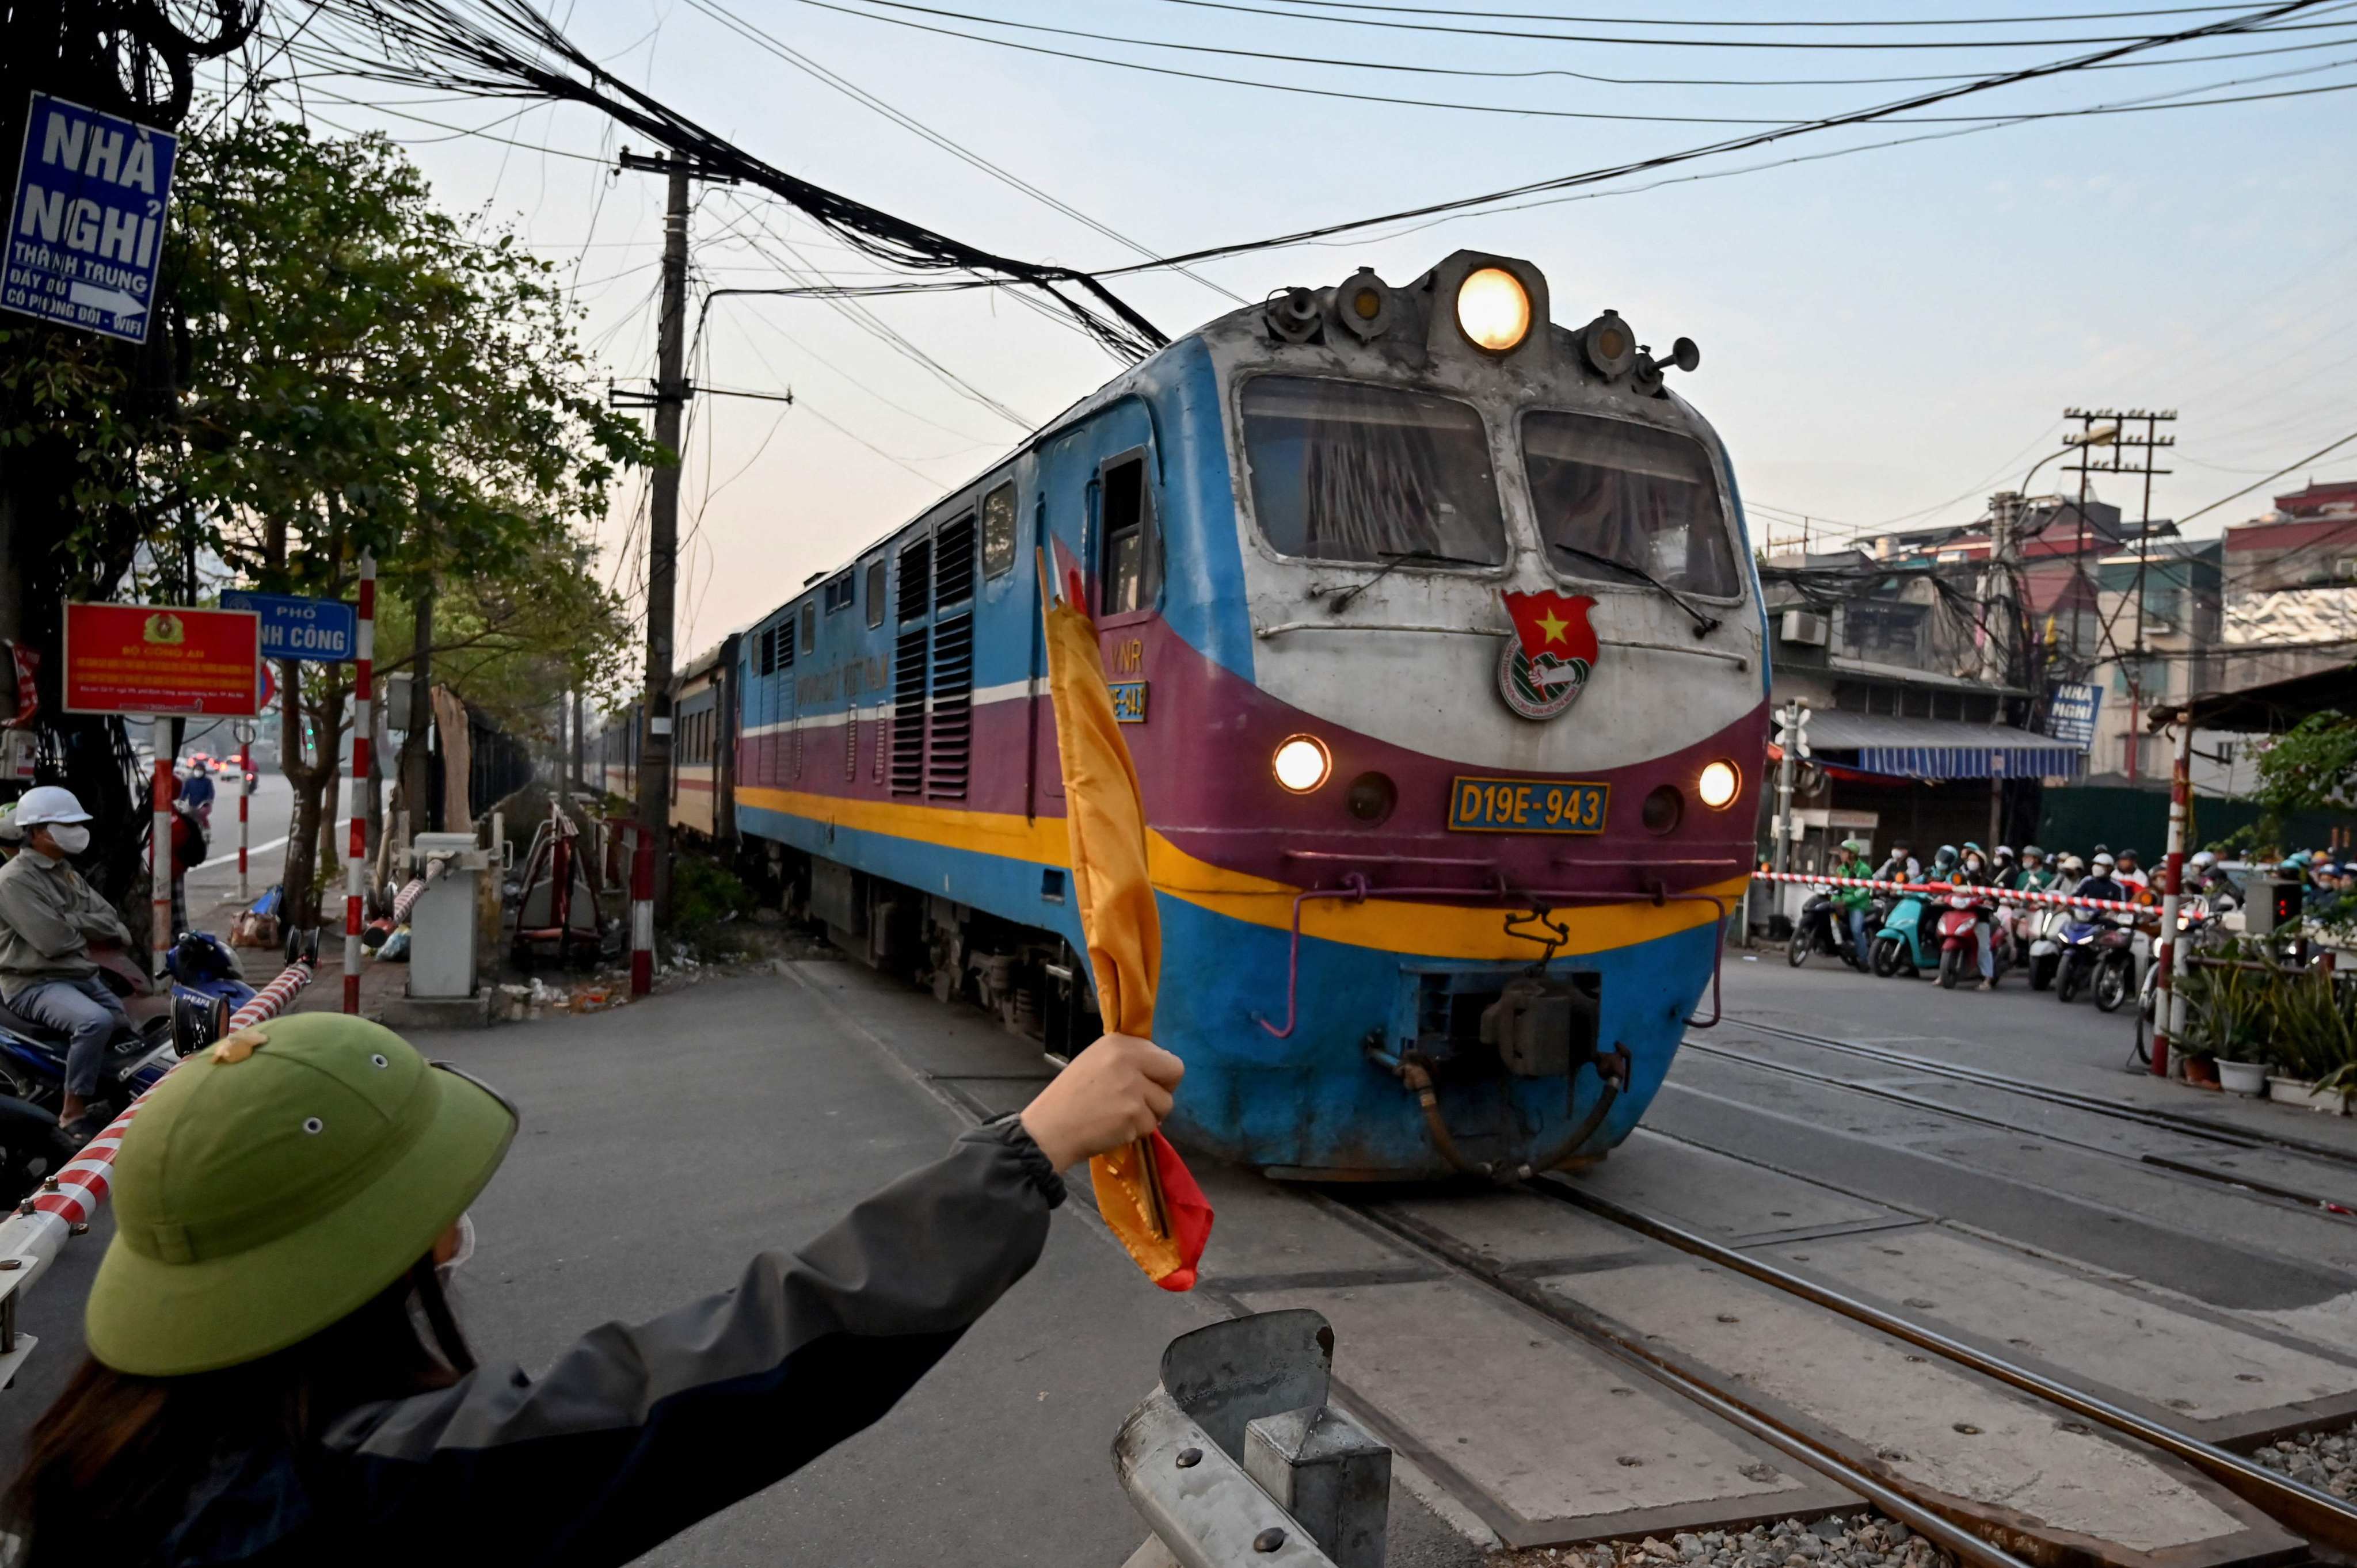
(2313, 1044)
(2228, 1017)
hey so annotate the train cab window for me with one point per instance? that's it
(998, 532)
(1131, 554)
(874, 595)
(1629, 493)
(810, 628)
(840, 590)
(1346, 472)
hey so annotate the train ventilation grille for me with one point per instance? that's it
(953, 563)
(908, 713)
(951, 748)
(916, 568)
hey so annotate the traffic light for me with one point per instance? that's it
(2276, 907)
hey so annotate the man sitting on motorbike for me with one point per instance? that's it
(2204, 875)
(2036, 876)
(2100, 883)
(1851, 902)
(2129, 873)
(1902, 867)
(49, 917)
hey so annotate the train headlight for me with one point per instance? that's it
(1301, 763)
(1717, 785)
(1493, 309)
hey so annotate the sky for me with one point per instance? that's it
(1888, 334)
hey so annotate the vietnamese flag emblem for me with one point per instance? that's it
(1553, 654)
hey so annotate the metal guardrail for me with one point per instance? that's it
(1236, 1460)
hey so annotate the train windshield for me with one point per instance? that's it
(1346, 472)
(1629, 493)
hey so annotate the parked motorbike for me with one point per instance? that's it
(1905, 941)
(2101, 951)
(1823, 928)
(32, 1146)
(208, 988)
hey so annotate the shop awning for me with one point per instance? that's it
(1942, 748)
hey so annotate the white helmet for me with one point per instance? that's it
(2202, 860)
(49, 803)
(2104, 862)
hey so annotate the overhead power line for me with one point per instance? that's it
(2258, 484)
(510, 48)
(2243, 23)
(1773, 22)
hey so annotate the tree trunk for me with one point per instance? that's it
(303, 827)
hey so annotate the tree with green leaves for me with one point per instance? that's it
(2311, 766)
(367, 372)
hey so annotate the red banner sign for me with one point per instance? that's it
(161, 659)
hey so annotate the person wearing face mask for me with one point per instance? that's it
(49, 917)
(275, 1375)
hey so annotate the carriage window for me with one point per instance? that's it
(1343, 472)
(1132, 554)
(874, 595)
(1628, 492)
(810, 628)
(999, 531)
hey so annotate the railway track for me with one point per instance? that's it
(2159, 1120)
(1987, 1537)
(2165, 1121)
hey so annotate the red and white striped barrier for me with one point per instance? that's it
(363, 727)
(406, 899)
(1946, 890)
(68, 1199)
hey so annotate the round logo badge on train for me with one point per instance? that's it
(1545, 668)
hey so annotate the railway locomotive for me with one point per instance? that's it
(1435, 633)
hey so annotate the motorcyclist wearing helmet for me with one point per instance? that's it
(1943, 863)
(2100, 881)
(2036, 876)
(1902, 866)
(2007, 870)
(49, 917)
(1972, 870)
(2206, 876)
(1852, 902)
(274, 1374)
(2129, 872)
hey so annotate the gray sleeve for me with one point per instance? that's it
(638, 1431)
(26, 913)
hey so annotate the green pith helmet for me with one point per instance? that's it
(275, 1183)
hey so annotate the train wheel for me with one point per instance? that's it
(1951, 966)
(1796, 951)
(1884, 958)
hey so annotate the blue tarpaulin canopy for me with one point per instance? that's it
(1942, 748)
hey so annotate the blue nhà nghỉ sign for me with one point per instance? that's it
(2070, 713)
(86, 228)
(321, 630)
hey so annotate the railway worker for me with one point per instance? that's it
(1853, 902)
(49, 917)
(283, 1381)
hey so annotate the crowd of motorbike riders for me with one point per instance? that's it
(1969, 922)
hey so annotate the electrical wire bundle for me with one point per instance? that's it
(509, 48)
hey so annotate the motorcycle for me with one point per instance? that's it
(1823, 928)
(1904, 940)
(2042, 941)
(2102, 950)
(2199, 928)
(1960, 945)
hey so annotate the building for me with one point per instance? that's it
(2290, 587)
(2164, 599)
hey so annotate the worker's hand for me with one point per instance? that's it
(1114, 1092)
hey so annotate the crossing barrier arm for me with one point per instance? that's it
(1950, 889)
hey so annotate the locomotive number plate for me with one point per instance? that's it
(1525, 806)
(1128, 701)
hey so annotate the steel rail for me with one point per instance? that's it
(2318, 1515)
(1940, 1527)
(2193, 1126)
(1918, 1102)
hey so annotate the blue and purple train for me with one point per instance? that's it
(1436, 631)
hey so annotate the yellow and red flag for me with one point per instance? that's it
(1144, 1190)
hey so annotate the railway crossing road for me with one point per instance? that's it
(1523, 1353)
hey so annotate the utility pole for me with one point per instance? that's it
(1792, 742)
(2148, 449)
(670, 403)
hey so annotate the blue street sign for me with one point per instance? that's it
(321, 630)
(86, 229)
(2070, 713)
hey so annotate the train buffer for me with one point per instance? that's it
(1236, 1460)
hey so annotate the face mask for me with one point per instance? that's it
(72, 840)
(465, 1249)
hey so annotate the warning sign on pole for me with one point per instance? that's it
(86, 229)
(161, 659)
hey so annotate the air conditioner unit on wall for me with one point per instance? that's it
(1803, 628)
